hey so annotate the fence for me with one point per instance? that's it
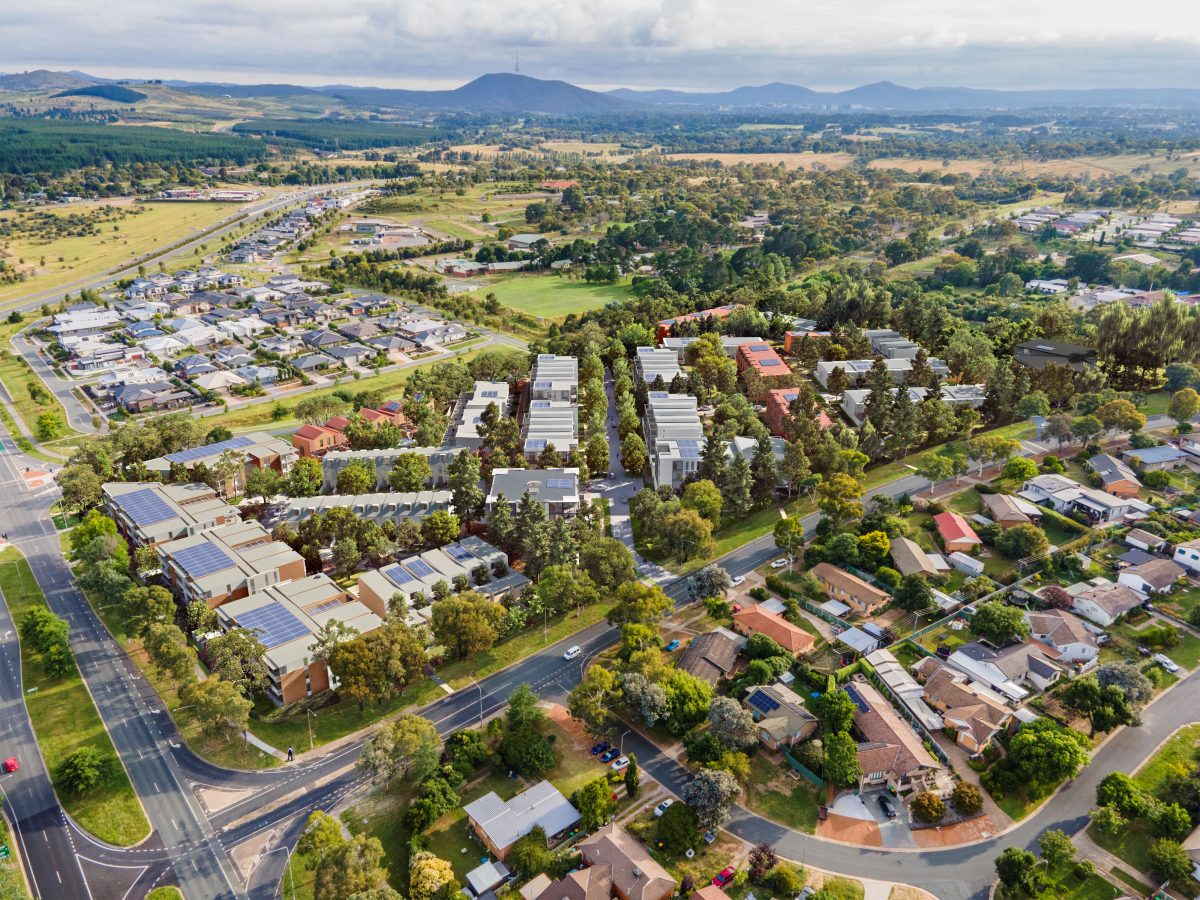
(803, 770)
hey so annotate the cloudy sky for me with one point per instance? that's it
(690, 44)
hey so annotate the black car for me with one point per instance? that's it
(885, 804)
(610, 755)
(600, 748)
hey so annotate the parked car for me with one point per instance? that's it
(663, 807)
(11, 764)
(741, 579)
(723, 877)
(573, 653)
(1166, 662)
(610, 755)
(672, 647)
(806, 892)
(778, 563)
(886, 805)
(1144, 651)
(620, 764)
(600, 748)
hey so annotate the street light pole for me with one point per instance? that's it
(311, 746)
(622, 748)
(479, 687)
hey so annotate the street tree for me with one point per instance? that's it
(710, 794)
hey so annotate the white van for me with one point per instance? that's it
(573, 653)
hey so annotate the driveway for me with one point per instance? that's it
(895, 832)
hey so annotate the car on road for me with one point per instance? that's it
(573, 653)
(672, 647)
(778, 563)
(1166, 662)
(886, 805)
(600, 748)
(620, 764)
(723, 877)
(11, 764)
(739, 580)
(609, 755)
(663, 807)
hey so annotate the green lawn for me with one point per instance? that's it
(166, 892)
(553, 296)
(770, 796)
(12, 884)
(65, 718)
(1067, 886)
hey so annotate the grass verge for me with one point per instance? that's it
(65, 718)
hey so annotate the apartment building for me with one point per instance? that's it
(556, 489)
(550, 423)
(761, 358)
(384, 461)
(856, 370)
(779, 403)
(674, 436)
(464, 421)
(286, 618)
(891, 344)
(227, 562)
(854, 402)
(256, 450)
(149, 513)
(729, 343)
(317, 440)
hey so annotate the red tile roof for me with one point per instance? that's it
(953, 527)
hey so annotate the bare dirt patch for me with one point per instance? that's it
(850, 831)
(951, 835)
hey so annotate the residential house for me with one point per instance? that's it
(956, 534)
(227, 562)
(501, 823)
(154, 395)
(1187, 554)
(390, 506)
(1066, 496)
(149, 513)
(317, 440)
(633, 873)
(840, 585)
(1005, 669)
(351, 354)
(264, 375)
(1141, 539)
(525, 241)
(312, 362)
(891, 753)
(756, 620)
(1007, 511)
(1065, 633)
(1191, 846)
(709, 656)
(1163, 458)
(780, 714)
(972, 711)
(1156, 576)
(910, 559)
(1116, 477)
(219, 381)
(323, 340)
(417, 576)
(359, 331)
(256, 450)
(393, 346)
(1104, 602)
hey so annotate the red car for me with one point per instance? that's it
(723, 877)
(11, 764)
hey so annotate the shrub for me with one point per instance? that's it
(928, 807)
(888, 576)
(966, 798)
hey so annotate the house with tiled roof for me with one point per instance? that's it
(317, 440)
(891, 753)
(1115, 476)
(956, 534)
(755, 620)
(1103, 602)
(633, 872)
(973, 712)
(709, 656)
(1065, 633)
(780, 715)
(840, 585)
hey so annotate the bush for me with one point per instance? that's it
(1156, 480)
(786, 880)
(928, 807)
(85, 768)
(888, 576)
(1170, 860)
(966, 798)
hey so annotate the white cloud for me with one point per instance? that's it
(701, 43)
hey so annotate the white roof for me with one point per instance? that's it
(835, 608)
(505, 822)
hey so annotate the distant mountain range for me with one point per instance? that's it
(513, 94)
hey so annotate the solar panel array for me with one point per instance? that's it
(563, 484)
(190, 456)
(274, 623)
(857, 698)
(420, 568)
(145, 507)
(324, 607)
(398, 575)
(535, 444)
(772, 362)
(764, 702)
(540, 404)
(490, 394)
(689, 452)
(203, 559)
(688, 443)
(543, 385)
(459, 553)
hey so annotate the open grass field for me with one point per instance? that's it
(774, 794)
(807, 161)
(65, 718)
(1080, 167)
(62, 260)
(21, 383)
(553, 296)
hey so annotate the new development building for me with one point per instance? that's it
(149, 513)
(227, 562)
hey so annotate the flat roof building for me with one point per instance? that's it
(383, 461)
(652, 363)
(464, 422)
(555, 378)
(674, 436)
(556, 489)
(256, 450)
(393, 506)
(856, 369)
(149, 513)
(550, 423)
(227, 562)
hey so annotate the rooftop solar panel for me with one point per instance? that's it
(145, 507)
(542, 385)
(689, 443)
(459, 553)
(535, 444)
(540, 404)
(764, 702)
(857, 698)
(689, 453)
(420, 568)
(274, 624)
(772, 362)
(490, 394)
(560, 483)
(203, 559)
(398, 575)
(195, 453)
(759, 348)
(325, 606)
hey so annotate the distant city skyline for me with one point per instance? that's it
(682, 44)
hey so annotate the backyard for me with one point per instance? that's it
(778, 793)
